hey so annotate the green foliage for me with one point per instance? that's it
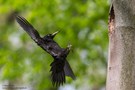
(83, 23)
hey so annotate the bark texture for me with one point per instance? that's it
(121, 61)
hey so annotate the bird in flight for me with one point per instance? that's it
(60, 66)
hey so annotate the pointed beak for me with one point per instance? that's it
(55, 33)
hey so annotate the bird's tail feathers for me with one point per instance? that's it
(68, 71)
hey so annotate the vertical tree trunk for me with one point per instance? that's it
(121, 63)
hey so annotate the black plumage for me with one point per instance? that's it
(60, 66)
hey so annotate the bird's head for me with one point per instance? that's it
(50, 36)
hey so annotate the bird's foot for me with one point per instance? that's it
(69, 47)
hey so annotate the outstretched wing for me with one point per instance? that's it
(59, 69)
(28, 28)
(33, 33)
(51, 47)
(57, 72)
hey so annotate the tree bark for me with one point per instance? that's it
(121, 60)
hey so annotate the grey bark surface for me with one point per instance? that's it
(121, 60)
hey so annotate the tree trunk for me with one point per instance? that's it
(121, 63)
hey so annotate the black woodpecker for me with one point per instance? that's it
(60, 66)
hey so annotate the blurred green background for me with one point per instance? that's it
(82, 23)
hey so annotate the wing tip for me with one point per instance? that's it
(57, 74)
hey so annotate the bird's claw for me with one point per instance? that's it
(69, 46)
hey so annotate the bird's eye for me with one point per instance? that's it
(48, 35)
